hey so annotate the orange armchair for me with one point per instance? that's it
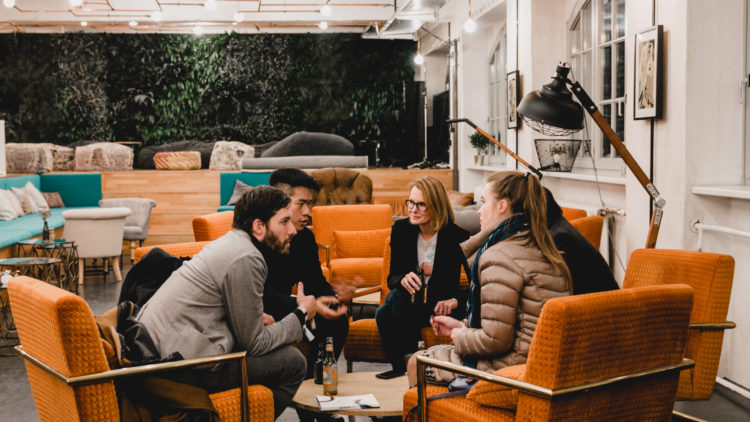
(174, 249)
(571, 214)
(68, 371)
(363, 227)
(212, 226)
(590, 227)
(611, 356)
(710, 275)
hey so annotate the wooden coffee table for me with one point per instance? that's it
(389, 393)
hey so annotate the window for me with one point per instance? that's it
(498, 117)
(597, 56)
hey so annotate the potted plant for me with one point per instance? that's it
(480, 144)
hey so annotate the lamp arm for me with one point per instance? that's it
(496, 142)
(637, 171)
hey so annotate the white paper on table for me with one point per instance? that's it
(364, 401)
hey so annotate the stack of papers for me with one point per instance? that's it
(364, 401)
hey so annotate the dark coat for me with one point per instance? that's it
(446, 271)
(284, 271)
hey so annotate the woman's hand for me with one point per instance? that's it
(443, 325)
(445, 307)
(411, 282)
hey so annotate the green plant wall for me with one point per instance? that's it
(163, 88)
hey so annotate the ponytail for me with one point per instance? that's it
(526, 196)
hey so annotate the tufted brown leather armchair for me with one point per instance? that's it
(342, 186)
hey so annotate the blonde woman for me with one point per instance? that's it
(425, 257)
(515, 269)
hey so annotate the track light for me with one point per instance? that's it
(210, 4)
(239, 17)
(76, 3)
(470, 26)
(9, 3)
(197, 30)
(84, 23)
(323, 25)
(418, 59)
(326, 10)
(133, 23)
(157, 16)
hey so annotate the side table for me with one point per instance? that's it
(8, 333)
(65, 251)
(44, 269)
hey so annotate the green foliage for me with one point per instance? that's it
(163, 88)
(479, 141)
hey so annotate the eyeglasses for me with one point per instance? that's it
(421, 206)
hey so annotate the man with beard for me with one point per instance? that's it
(213, 304)
(302, 264)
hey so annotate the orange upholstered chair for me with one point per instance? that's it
(590, 227)
(351, 239)
(175, 249)
(67, 368)
(711, 276)
(212, 226)
(610, 356)
(571, 214)
(363, 340)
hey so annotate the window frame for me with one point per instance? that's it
(593, 82)
(498, 87)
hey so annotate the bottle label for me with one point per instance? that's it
(330, 380)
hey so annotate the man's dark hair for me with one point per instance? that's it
(261, 202)
(290, 178)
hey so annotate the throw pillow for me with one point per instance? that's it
(54, 200)
(28, 205)
(495, 395)
(36, 196)
(360, 244)
(8, 210)
(14, 202)
(239, 188)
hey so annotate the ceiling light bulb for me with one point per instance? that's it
(239, 17)
(76, 2)
(133, 23)
(323, 25)
(325, 10)
(416, 24)
(210, 4)
(470, 26)
(9, 3)
(418, 59)
(197, 30)
(157, 16)
(84, 23)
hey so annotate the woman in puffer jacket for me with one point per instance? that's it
(515, 269)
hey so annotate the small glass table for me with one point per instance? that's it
(45, 269)
(8, 333)
(65, 251)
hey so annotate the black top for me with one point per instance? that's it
(284, 271)
(444, 282)
(588, 269)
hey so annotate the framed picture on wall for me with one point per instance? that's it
(648, 73)
(514, 94)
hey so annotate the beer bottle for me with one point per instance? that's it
(330, 375)
(319, 363)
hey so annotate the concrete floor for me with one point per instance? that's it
(101, 292)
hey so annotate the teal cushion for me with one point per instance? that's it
(226, 185)
(19, 182)
(29, 226)
(76, 190)
(225, 208)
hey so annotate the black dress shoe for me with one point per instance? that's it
(393, 373)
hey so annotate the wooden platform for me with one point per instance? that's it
(183, 194)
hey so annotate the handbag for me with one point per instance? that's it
(439, 376)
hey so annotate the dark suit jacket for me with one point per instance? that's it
(284, 271)
(446, 270)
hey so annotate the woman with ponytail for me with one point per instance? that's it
(515, 269)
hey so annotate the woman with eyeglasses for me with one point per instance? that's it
(424, 274)
(515, 269)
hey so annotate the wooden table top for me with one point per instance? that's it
(389, 393)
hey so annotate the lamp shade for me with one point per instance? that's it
(552, 110)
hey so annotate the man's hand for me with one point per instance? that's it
(326, 311)
(444, 325)
(345, 288)
(307, 301)
(411, 282)
(445, 307)
(267, 319)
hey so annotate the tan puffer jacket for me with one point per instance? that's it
(516, 280)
